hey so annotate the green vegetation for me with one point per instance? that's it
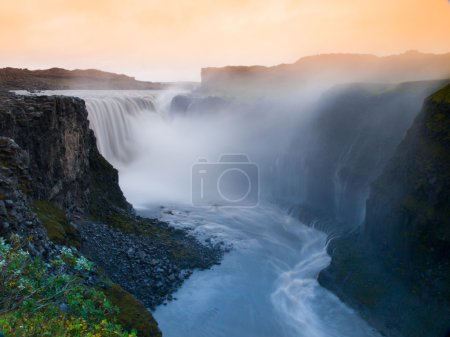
(442, 95)
(51, 299)
(132, 313)
(55, 222)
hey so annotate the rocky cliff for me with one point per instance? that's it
(16, 213)
(396, 270)
(55, 133)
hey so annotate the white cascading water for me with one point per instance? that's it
(111, 119)
(267, 285)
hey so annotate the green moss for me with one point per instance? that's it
(438, 127)
(132, 313)
(416, 207)
(55, 222)
(442, 95)
(171, 240)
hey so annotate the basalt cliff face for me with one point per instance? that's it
(16, 214)
(396, 270)
(55, 133)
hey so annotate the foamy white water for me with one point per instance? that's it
(267, 285)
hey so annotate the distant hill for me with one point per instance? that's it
(57, 78)
(330, 69)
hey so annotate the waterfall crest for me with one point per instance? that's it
(117, 116)
(112, 119)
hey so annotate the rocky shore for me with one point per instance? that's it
(141, 264)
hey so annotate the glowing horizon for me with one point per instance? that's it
(169, 40)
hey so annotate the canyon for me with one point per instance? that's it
(351, 236)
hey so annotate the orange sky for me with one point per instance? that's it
(173, 39)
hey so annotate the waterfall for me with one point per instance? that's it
(112, 120)
(117, 116)
(154, 149)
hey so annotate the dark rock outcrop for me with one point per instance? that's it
(64, 162)
(16, 214)
(180, 104)
(55, 133)
(396, 270)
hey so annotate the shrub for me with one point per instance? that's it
(50, 299)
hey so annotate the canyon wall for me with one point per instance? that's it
(395, 270)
